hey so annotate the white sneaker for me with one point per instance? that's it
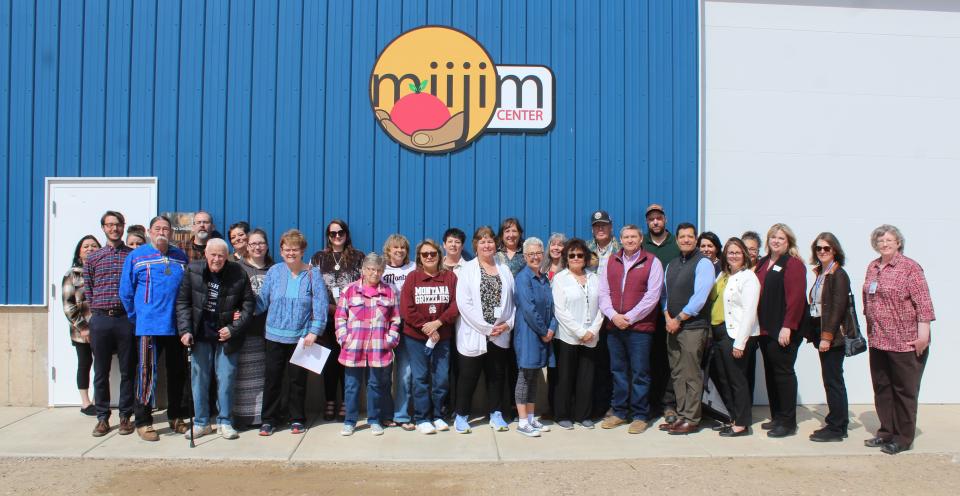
(198, 431)
(426, 428)
(440, 425)
(540, 427)
(228, 432)
(376, 429)
(347, 430)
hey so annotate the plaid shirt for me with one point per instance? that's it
(194, 252)
(101, 276)
(900, 302)
(368, 325)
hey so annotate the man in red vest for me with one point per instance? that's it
(629, 296)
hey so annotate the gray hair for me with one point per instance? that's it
(631, 227)
(555, 237)
(531, 242)
(882, 230)
(373, 259)
(217, 242)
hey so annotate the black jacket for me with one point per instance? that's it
(235, 295)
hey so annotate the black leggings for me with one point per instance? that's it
(333, 379)
(493, 364)
(84, 362)
(526, 389)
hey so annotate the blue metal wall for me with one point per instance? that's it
(258, 110)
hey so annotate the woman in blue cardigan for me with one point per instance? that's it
(532, 333)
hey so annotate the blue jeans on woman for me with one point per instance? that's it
(378, 384)
(401, 402)
(210, 357)
(427, 370)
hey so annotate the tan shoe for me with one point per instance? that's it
(178, 426)
(612, 421)
(637, 427)
(147, 433)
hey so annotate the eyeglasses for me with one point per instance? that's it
(336, 234)
(112, 225)
(825, 249)
(534, 254)
(575, 256)
(429, 254)
(257, 243)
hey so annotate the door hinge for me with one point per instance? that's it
(53, 207)
(53, 290)
(53, 374)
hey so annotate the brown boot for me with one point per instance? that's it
(147, 433)
(102, 428)
(126, 426)
(178, 426)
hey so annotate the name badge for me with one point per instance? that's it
(777, 268)
(497, 313)
(336, 292)
(873, 288)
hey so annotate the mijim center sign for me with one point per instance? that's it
(435, 89)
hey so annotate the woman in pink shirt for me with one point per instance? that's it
(368, 329)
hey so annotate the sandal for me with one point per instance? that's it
(389, 423)
(408, 426)
(328, 412)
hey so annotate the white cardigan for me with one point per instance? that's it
(473, 331)
(576, 310)
(740, 299)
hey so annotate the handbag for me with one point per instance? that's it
(853, 340)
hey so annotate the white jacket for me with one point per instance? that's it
(740, 299)
(575, 308)
(473, 331)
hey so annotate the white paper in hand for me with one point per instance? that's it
(311, 358)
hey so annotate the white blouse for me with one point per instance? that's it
(473, 331)
(740, 299)
(576, 309)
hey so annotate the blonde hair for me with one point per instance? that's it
(293, 238)
(396, 239)
(791, 239)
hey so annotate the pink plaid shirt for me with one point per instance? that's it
(368, 325)
(900, 302)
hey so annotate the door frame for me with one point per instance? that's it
(49, 184)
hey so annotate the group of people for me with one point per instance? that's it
(622, 324)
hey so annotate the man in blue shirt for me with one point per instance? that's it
(148, 289)
(687, 282)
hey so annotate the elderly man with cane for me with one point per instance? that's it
(214, 305)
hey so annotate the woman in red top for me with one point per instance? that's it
(783, 285)
(898, 310)
(428, 307)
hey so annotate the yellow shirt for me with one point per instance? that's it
(715, 299)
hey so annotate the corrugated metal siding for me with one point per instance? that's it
(257, 109)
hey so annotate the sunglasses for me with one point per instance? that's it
(336, 234)
(575, 256)
(429, 254)
(825, 249)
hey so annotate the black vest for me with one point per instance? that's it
(681, 274)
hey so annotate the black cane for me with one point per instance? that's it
(192, 412)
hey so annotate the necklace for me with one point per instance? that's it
(336, 263)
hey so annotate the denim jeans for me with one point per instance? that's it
(210, 357)
(427, 370)
(378, 382)
(401, 402)
(630, 367)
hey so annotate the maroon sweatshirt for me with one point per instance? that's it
(426, 298)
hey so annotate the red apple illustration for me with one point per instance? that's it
(418, 111)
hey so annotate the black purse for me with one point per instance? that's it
(853, 340)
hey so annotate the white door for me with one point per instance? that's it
(74, 207)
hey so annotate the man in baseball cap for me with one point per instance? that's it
(603, 243)
(602, 246)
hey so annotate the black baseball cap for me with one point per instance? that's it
(600, 217)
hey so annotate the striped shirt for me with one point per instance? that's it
(101, 276)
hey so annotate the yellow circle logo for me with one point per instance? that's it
(434, 89)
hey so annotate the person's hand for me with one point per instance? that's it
(738, 354)
(620, 321)
(673, 325)
(499, 329)
(435, 337)
(187, 339)
(923, 339)
(824, 346)
(431, 140)
(587, 337)
(548, 337)
(224, 334)
(784, 338)
(431, 327)
(236, 315)
(309, 339)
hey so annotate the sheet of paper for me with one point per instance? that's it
(311, 358)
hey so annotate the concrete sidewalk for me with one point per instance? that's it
(64, 432)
